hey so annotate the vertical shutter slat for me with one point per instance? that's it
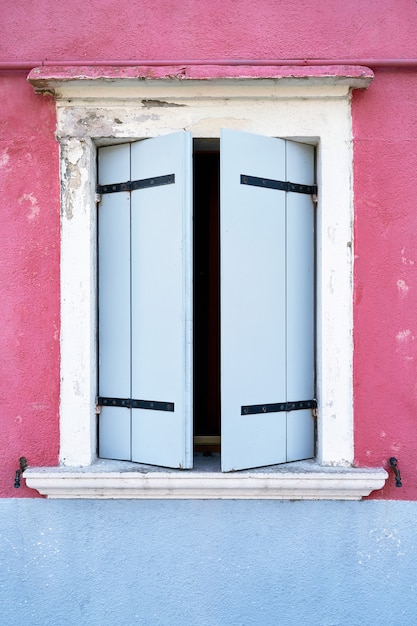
(253, 312)
(300, 301)
(114, 302)
(162, 301)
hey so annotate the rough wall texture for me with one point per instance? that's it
(218, 29)
(385, 130)
(385, 304)
(209, 563)
(29, 279)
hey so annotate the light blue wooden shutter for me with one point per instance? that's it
(267, 301)
(159, 430)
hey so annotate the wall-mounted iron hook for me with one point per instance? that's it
(23, 465)
(394, 466)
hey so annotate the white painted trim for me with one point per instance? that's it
(78, 302)
(316, 111)
(302, 482)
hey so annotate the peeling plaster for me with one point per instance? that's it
(75, 152)
(73, 176)
(68, 208)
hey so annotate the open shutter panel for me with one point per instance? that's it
(160, 377)
(260, 292)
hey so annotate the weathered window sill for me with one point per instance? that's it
(295, 481)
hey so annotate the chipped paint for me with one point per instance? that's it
(4, 158)
(34, 209)
(404, 259)
(404, 335)
(402, 286)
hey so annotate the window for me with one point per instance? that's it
(311, 108)
(146, 312)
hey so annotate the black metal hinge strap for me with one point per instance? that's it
(133, 185)
(268, 183)
(278, 407)
(130, 403)
(151, 404)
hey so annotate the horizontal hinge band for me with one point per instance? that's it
(268, 183)
(278, 407)
(133, 185)
(130, 403)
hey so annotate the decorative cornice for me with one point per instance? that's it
(62, 80)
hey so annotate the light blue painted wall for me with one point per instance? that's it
(213, 563)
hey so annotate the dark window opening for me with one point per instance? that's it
(206, 299)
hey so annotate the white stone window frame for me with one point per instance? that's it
(97, 108)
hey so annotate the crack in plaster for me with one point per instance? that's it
(160, 103)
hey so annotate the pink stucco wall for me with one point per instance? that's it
(101, 29)
(385, 149)
(385, 304)
(29, 279)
